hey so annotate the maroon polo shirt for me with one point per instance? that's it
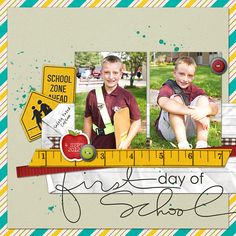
(119, 98)
(192, 91)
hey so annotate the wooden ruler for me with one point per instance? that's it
(136, 158)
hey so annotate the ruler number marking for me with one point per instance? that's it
(190, 155)
(43, 155)
(161, 155)
(102, 155)
(131, 156)
(220, 155)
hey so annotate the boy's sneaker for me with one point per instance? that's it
(202, 144)
(184, 145)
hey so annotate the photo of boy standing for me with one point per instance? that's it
(103, 102)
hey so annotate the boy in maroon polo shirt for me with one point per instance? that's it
(178, 120)
(115, 98)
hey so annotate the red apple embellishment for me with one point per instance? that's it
(71, 143)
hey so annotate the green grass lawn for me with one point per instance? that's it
(205, 79)
(214, 138)
(140, 93)
(79, 110)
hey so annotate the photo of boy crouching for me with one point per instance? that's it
(187, 113)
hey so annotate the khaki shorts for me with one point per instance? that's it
(165, 128)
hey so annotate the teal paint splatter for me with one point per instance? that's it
(176, 49)
(161, 41)
(21, 105)
(14, 109)
(64, 64)
(31, 89)
(24, 96)
(11, 63)
(36, 67)
(144, 36)
(137, 32)
(51, 208)
(20, 52)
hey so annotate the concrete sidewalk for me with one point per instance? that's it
(87, 85)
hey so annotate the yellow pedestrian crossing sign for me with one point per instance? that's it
(37, 107)
(59, 83)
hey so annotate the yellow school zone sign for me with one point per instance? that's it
(37, 107)
(59, 83)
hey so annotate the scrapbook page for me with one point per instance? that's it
(60, 64)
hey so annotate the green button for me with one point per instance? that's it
(88, 152)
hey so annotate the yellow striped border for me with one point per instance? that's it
(4, 5)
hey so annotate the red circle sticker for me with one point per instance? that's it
(218, 65)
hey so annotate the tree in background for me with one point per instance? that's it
(133, 60)
(87, 59)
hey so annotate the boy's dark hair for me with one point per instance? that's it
(187, 60)
(111, 59)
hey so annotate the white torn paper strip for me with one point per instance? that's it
(146, 180)
(152, 180)
(229, 121)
